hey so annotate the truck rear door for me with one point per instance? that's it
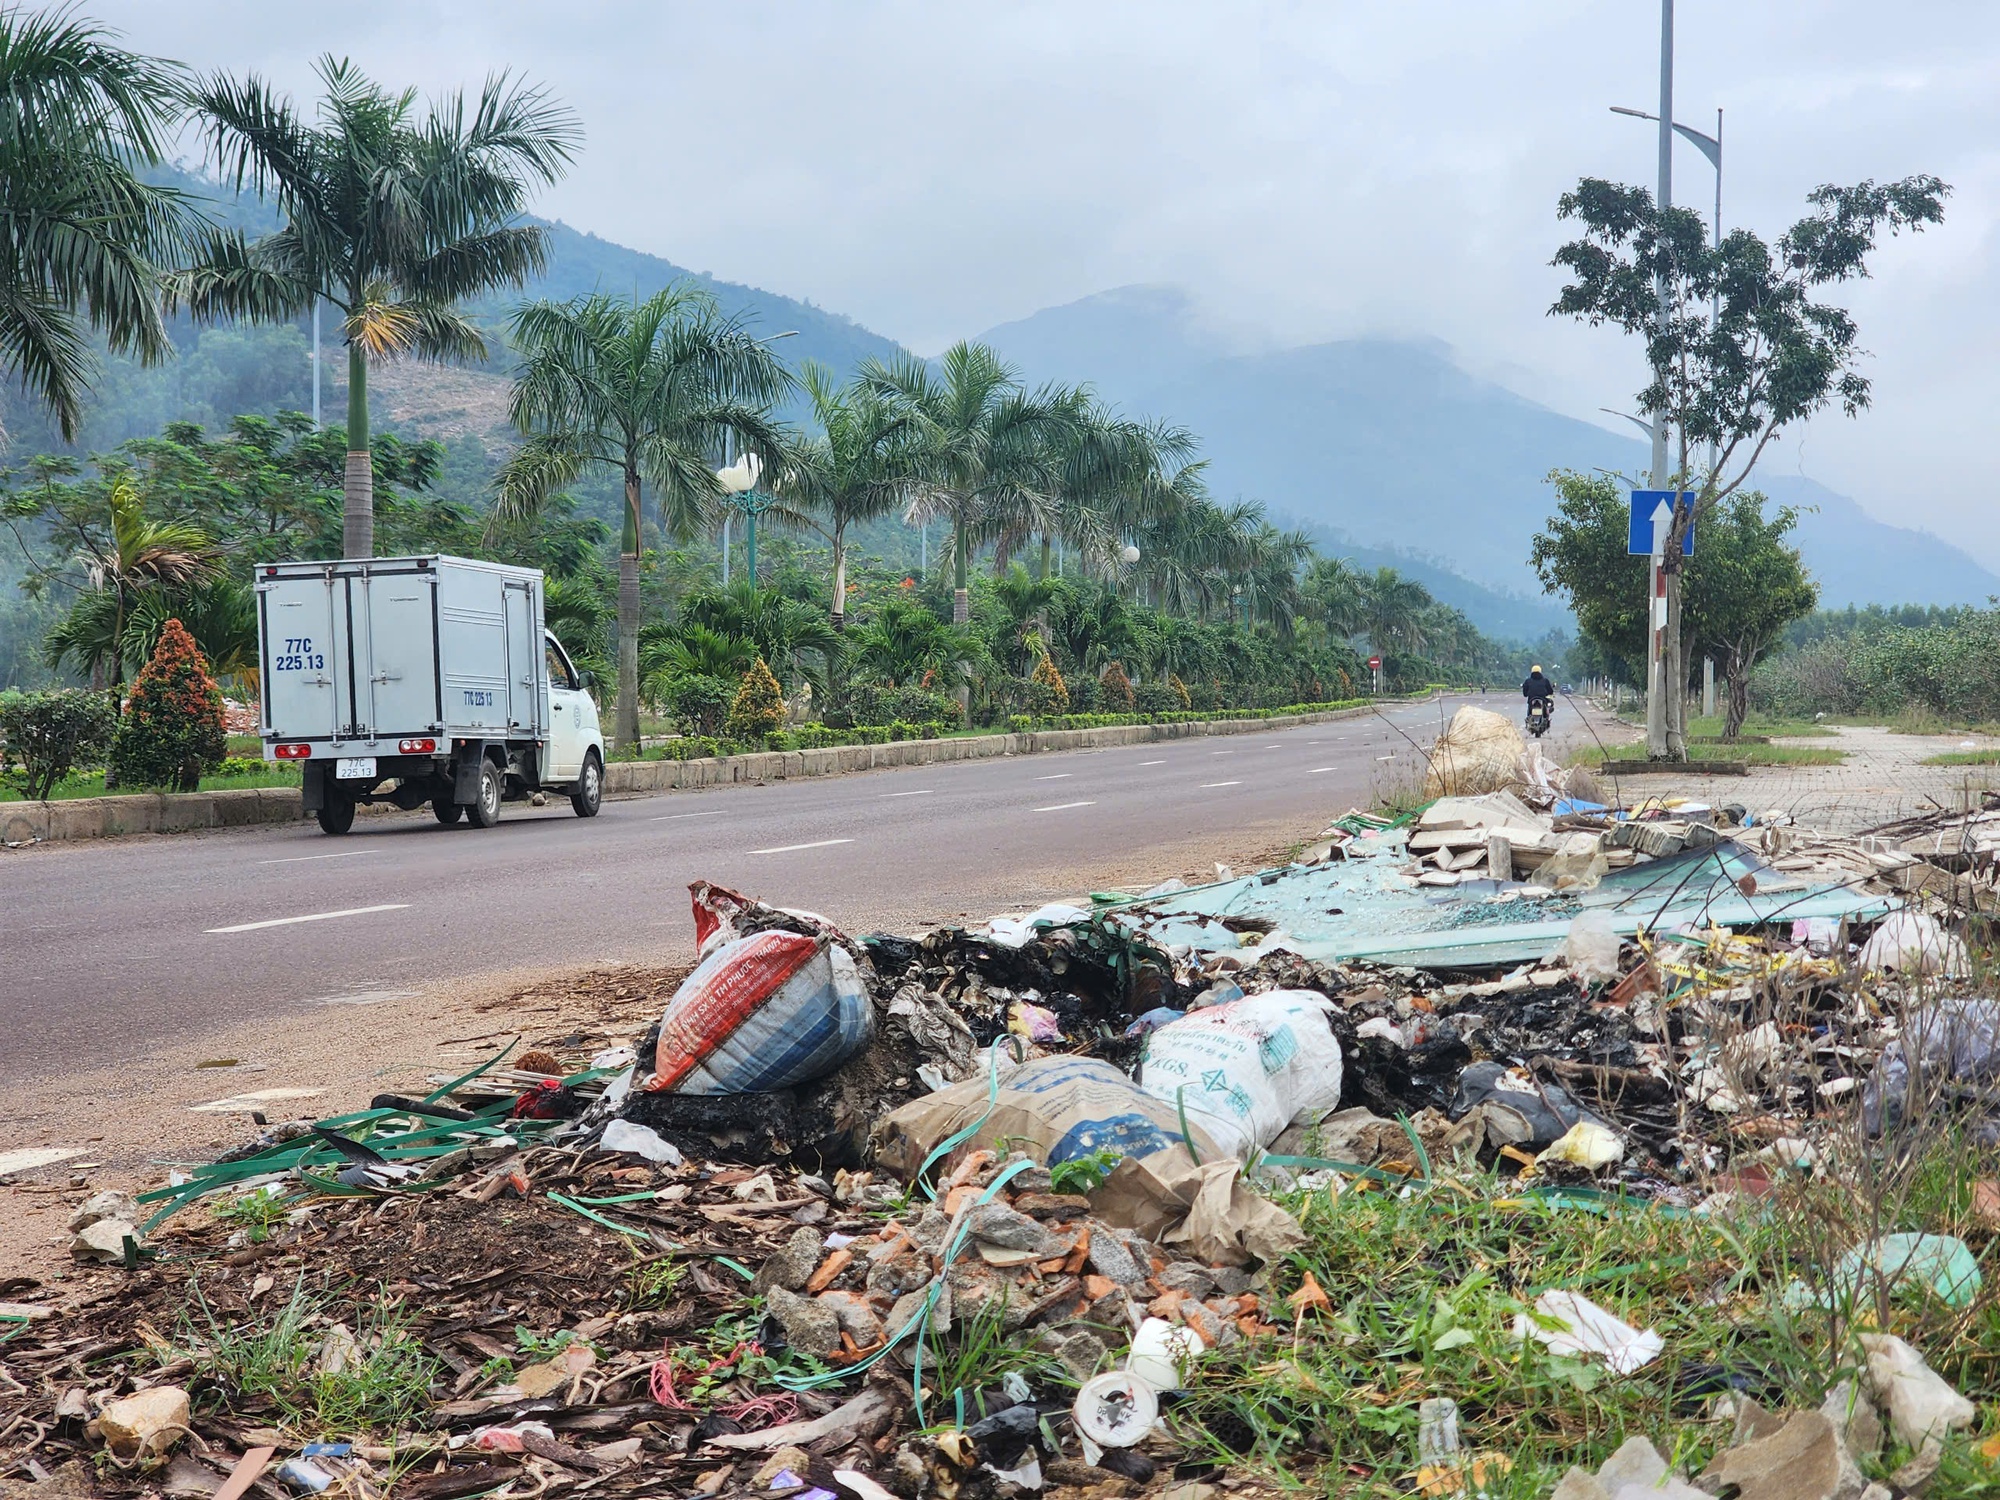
(399, 690)
(296, 621)
(524, 660)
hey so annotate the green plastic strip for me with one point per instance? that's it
(592, 1214)
(953, 1141)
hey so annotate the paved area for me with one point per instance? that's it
(1883, 778)
(119, 946)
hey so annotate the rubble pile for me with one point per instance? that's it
(962, 1214)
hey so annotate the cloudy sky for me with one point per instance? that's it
(1308, 170)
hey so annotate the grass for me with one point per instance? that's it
(1756, 755)
(1705, 728)
(1423, 1291)
(282, 1358)
(1964, 758)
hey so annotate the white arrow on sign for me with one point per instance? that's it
(1663, 517)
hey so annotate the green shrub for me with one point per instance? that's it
(1184, 702)
(759, 708)
(52, 733)
(172, 729)
(698, 704)
(1156, 698)
(1118, 697)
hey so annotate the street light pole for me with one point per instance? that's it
(1656, 634)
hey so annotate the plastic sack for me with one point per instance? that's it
(1911, 942)
(765, 1011)
(1244, 1069)
(1950, 1050)
(1940, 1264)
(1478, 752)
(1055, 1108)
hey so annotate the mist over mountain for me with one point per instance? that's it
(1390, 445)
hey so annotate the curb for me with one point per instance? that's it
(158, 812)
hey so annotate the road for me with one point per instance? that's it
(108, 946)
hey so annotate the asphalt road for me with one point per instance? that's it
(107, 946)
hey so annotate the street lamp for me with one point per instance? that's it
(739, 488)
(1709, 146)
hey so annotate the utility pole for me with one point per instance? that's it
(315, 364)
(1656, 632)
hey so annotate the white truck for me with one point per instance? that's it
(419, 680)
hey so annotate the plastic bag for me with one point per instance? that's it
(1591, 948)
(1478, 752)
(1952, 1047)
(1912, 942)
(1244, 1069)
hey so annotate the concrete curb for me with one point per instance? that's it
(113, 817)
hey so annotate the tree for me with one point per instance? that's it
(854, 469)
(1394, 611)
(649, 389)
(1047, 692)
(986, 451)
(172, 729)
(82, 239)
(392, 219)
(1336, 594)
(1736, 347)
(759, 708)
(1744, 585)
(51, 733)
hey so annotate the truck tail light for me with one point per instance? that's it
(416, 747)
(293, 752)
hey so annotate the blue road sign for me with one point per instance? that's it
(1646, 504)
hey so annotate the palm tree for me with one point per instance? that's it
(82, 239)
(1337, 595)
(135, 555)
(786, 632)
(905, 641)
(392, 219)
(986, 449)
(854, 470)
(649, 389)
(1396, 611)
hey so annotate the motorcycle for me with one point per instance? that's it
(1538, 718)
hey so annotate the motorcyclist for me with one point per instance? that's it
(1538, 689)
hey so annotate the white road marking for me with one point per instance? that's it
(676, 817)
(1385, 757)
(1222, 752)
(1152, 763)
(1059, 776)
(1210, 785)
(1065, 806)
(924, 793)
(318, 916)
(789, 848)
(1319, 770)
(297, 859)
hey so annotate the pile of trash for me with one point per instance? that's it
(961, 1214)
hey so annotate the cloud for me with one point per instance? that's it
(1310, 170)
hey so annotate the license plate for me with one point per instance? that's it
(351, 770)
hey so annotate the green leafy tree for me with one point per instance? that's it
(1737, 348)
(51, 733)
(649, 390)
(83, 239)
(1117, 688)
(1744, 584)
(172, 728)
(392, 218)
(759, 708)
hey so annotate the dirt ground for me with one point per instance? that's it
(132, 1123)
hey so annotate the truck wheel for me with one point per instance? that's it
(486, 811)
(446, 811)
(336, 815)
(589, 794)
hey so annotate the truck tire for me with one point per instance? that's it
(446, 811)
(589, 794)
(336, 815)
(486, 811)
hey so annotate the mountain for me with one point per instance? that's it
(1389, 444)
